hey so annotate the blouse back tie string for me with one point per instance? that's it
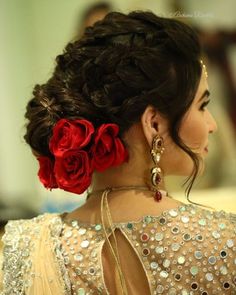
(115, 253)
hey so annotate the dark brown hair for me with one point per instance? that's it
(114, 71)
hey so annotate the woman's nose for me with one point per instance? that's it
(212, 123)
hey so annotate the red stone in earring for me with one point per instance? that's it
(158, 196)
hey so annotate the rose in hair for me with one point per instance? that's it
(70, 134)
(46, 173)
(108, 149)
(73, 171)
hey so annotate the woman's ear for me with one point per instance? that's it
(152, 123)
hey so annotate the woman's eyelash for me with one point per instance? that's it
(202, 107)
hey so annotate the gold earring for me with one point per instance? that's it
(156, 178)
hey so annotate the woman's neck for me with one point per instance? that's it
(111, 181)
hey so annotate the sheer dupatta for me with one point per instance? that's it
(48, 274)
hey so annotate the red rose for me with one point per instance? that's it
(108, 149)
(68, 134)
(73, 171)
(45, 173)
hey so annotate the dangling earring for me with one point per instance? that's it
(156, 177)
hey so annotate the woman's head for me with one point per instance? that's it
(121, 67)
(196, 125)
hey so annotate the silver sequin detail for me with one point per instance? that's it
(175, 246)
(185, 219)
(230, 243)
(216, 234)
(78, 257)
(173, 212)
(68, 234)
(223, 270)
(154, 265)
(81, 291)
(82, 231)
(182, 250)
(198, 254)
(159, 250)
(209, 276)
(212, 260)
(98, 227)
(181, 259)
(159, 236)
(194, 270)
(166, 263)
(160, 289)
(164, 274)
(74, 223)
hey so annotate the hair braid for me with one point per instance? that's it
(114, 71)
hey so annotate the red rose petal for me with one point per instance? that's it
(73, 171)
(68, 134)
(45, 173)
(108, 149)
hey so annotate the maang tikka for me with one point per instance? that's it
(156, 173)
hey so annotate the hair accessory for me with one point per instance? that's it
(78, 149)
(44, 102)
(204, 68)
(156, 178)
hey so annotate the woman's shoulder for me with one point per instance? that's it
(204, 218)
(190, 223)
(39, 219)
(16, 246)
(213, 215)
(210, 230)
(15, 231)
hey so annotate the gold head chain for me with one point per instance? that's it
(204, 68)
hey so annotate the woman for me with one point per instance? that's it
(125, 106)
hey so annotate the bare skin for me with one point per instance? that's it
(128, 205)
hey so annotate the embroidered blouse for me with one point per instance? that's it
(184, 250)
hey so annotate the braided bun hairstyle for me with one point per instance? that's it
(114, 71)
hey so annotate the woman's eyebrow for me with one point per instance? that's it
(206, 93)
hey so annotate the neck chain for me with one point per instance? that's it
(131, 187)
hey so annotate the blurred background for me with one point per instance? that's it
(34, 32)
